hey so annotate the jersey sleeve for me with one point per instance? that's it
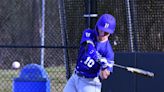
(110, 58)
(87, 36)
(88, 44)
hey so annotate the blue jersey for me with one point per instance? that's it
(86, 64)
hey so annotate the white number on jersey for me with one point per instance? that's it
(89, 62)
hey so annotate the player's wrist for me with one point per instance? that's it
(103, 68)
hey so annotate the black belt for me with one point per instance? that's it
(80, 75)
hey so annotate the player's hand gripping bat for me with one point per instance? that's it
(130, 69)
(136, 70)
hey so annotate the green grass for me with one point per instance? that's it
(6, 78)
(56, 76)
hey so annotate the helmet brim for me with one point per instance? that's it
(110, 31)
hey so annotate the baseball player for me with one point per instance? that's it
(95, 58)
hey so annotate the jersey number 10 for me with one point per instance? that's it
(89, 62)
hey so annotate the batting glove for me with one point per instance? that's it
(105, 64)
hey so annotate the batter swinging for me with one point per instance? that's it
(95, 58)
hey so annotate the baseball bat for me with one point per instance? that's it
(131, 69)
(136, 70)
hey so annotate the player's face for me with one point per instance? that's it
(102, 33)
(103, 36)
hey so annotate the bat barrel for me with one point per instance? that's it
(140, 72)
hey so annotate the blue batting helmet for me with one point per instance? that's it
(106, 23)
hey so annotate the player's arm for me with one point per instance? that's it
(91, 50)
(87, 42)
(106, 67)
(107, 63)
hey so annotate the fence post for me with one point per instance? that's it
(64, 37)
(90, 13)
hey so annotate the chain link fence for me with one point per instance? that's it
(20, 28)
(148, 25)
